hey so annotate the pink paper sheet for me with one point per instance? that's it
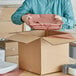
(44, 21)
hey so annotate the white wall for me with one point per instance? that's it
(10, 2)
(74, 6)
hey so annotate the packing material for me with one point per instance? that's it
(44, 21)
(40, 54)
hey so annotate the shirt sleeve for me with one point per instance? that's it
(22, 10)
(68, 18)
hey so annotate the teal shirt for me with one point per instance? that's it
(62, 8)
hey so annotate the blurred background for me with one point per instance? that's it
(17, 3)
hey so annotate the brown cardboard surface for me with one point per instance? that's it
(53, 57)
(30, 56)
(8, 26)
(41, 57)
(5, 35)
(13, 59)
(39, 33)
(11, 48)
(6, 13)
(23, 38)
(37, 55)
(27, 37)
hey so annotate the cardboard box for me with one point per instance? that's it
(6, 13)
(13, 59)
(11, 48)
(5, 21)
(40, 54)
(9, 27)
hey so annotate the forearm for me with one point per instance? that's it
(17, 18)
(24, 9)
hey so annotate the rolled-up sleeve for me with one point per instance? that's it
(22, 10)
(68, 18)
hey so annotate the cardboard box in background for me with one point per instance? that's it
(11, 51)
(11, 48)
(5, 13)
(13, 59)
(6, 24)
(40, 54)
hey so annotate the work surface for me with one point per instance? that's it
(30, 74)
(24, 73)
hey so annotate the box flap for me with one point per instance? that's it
(39, 33)
(56, 41)
(5, 35)
(23, 38)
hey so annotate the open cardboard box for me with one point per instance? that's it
(40, 54)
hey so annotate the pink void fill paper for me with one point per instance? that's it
(44, 21)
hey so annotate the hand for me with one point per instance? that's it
(25, 18)
(58, 17)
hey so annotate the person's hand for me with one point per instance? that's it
(58, 17)
(25, 18)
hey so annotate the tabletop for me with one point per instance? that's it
(18, 72)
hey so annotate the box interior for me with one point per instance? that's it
(42, 33)
(29, 36)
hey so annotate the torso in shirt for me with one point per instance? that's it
(47, 7)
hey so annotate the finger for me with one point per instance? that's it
(29, 16)
(58, 17)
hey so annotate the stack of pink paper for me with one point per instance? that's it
(44, 21)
